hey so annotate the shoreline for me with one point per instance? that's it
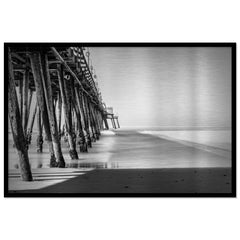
(130, 162)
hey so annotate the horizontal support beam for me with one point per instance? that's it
(58, 56)
(15, 55)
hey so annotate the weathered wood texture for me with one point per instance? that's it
(113, 123)
(21, 99)
(84, 138)
(50, 109)
(105, 122)
(38, 76)
(39, 128)
(87, 120)
(29, 103)
(59, 113)
(16, 125)
(117, 122)
(63, 84)
(25, 101)
(81, 141)
(33, 118)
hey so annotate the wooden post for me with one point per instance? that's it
(88, 124)
(98, 120)
(105, 122)
(50, 109)
(80, 132)
(39, 137)
(118, 122)
(29, 132)
(73, 111)
(83, 143)
(91, 121)
(29, 103)
(67, 112)
(101, 120)
(94, 121)
(113, 122)
(25, 101)
(38, 76)
(59, 114)
(74, 136)
(21, 98)
(16, 125)
(96, 117)
(84, 117)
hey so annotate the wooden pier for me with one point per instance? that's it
(113, 118)
(56, 88)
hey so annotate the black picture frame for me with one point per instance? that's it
(232, 45)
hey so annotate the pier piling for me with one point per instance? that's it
(59, 83)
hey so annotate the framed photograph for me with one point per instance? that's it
(120, 119)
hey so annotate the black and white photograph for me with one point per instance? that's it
(120, 119)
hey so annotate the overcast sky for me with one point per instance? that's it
(166, 86)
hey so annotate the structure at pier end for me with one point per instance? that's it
(56, 88)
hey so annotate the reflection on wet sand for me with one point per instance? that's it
(97, 157)
(129, 150)
(127, 162)
(98, 165)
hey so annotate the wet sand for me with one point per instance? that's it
(130, 162)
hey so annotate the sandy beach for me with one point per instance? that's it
(130, 162)
(205, 180)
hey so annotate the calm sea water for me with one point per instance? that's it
(212, 138)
